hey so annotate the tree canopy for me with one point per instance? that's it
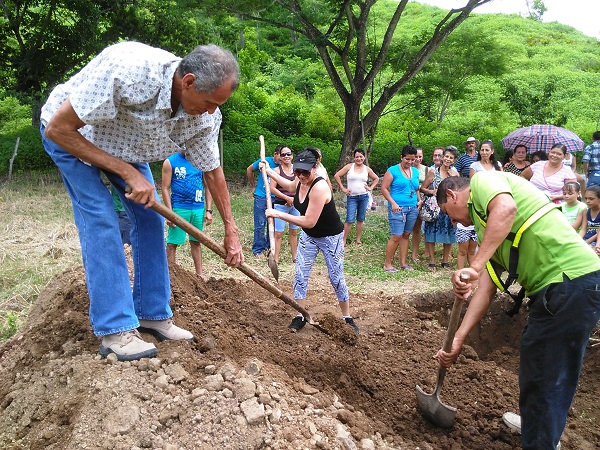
(321, 72)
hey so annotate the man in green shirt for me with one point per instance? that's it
(561, 277)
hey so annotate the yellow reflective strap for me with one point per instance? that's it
(494, 276)
(535, 216)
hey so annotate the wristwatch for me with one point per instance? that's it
(209, 210)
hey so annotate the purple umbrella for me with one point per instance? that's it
(542, 137)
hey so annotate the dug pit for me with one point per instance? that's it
(247, 382)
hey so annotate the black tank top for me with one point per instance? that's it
(328, 224)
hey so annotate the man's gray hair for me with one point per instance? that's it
(212, 65)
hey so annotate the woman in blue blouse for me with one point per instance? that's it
(400, 188)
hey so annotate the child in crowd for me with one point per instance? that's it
(592, 199)
(573, 208)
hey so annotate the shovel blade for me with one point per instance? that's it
(432, 408)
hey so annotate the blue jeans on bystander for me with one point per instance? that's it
(261, 241)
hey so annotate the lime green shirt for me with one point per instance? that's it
(549, 248)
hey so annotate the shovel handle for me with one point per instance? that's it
(455, 315)
(207, 241)
(452, 327)
(267, 194)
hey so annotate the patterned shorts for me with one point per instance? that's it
(464, 234)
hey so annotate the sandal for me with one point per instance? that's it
(432, 267)
(445, 265)
(406, 268)
(391, 269)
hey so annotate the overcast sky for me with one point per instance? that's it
(581, 14)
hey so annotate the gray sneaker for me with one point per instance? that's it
(165, 330)
(127, 345)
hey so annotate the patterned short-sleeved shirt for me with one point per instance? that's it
(591, 155)
(124, 97)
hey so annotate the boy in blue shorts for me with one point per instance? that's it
(187, 199)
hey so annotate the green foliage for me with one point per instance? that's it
(285, 115)
(30, 154)
(533, 104)
(286, 94)
(10, 326)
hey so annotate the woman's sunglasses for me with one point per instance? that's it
(286, 154)
(299, 172)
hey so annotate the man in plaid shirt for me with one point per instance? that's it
(591, 161)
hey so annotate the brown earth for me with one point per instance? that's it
(316, 390)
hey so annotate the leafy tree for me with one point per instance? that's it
(466, 54)
(536, 8)
(354, 59)
(44, 41)
(533, 104)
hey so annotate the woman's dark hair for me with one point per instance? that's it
(314, 150)
(408, 150)
(493, 159)
(506, 158)
(521, 145)
(358, 150)
(563, 147)
(543, 156)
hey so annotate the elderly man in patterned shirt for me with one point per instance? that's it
(591, 161)
(133, 104)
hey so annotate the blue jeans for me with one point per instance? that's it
(553, 343)
(403, 221)
(593, 179)
(280, 223)
(261, 241)
(114, 307)
(356, 208)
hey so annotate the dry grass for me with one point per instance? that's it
(39, 239)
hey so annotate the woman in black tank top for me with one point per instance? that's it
(322, 230)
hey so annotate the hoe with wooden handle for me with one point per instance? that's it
(271, 226)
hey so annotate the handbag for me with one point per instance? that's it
(430, 210)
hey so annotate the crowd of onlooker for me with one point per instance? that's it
(409, 189)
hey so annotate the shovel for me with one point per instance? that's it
(245, 269)
(430, 405)
(271, 226)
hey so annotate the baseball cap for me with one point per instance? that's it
(305, 160)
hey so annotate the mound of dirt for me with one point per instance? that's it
(246, 382)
